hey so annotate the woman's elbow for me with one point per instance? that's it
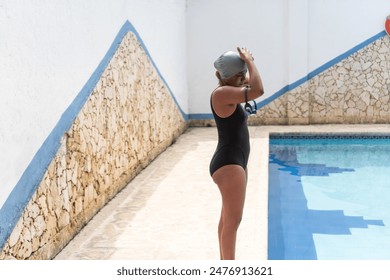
(256, 92)
(260, 92)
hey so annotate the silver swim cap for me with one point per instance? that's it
(230, 64)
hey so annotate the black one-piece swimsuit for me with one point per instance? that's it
(233, 140)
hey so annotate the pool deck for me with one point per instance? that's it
(170, 211)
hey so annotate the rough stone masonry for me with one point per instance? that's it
(354, 91)
(129, 119)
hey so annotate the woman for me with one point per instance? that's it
(228, 167)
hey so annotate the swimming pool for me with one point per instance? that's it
(329, 197)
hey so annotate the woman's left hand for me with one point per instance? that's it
(245, 54)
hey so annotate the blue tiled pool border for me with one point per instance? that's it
(300, 135)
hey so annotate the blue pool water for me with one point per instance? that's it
(329, 197)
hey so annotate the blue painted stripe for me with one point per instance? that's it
(200, 116)
(348, 53)
(18, 199)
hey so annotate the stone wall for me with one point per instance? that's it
(129, 119)
(355, 90)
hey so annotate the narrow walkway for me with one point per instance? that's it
(171, 209)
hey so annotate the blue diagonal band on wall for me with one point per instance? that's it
(320, 69)
(18, 199)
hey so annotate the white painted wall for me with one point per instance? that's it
(337, 26)
(50, 48)
(289, 38)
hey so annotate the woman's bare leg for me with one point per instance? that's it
(231, 181)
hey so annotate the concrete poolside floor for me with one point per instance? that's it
(170, 211)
